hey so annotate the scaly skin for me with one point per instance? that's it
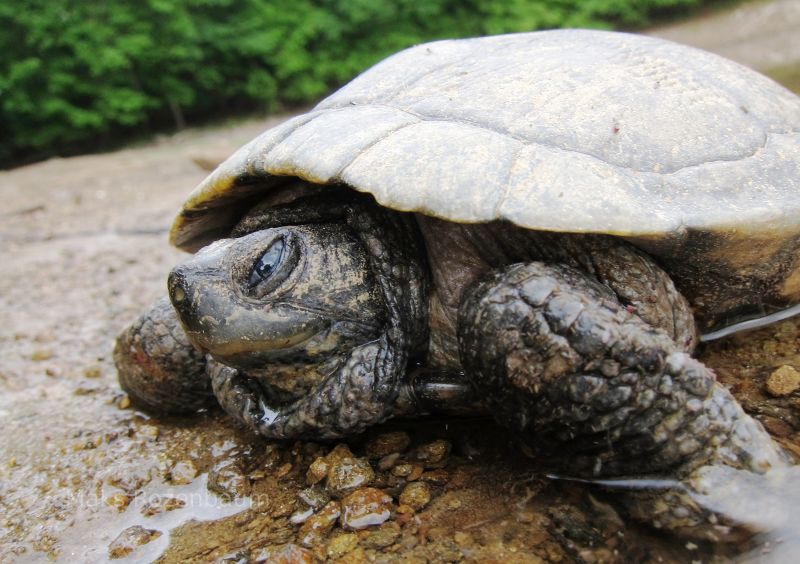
(593, 391)
(587, 382)
(158, 366)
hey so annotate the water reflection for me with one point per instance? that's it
(738, 505)
(764, 503)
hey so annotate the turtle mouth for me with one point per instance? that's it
(288, 345)
(302, 349)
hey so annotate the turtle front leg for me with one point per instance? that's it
(158, 367)
(593, 390)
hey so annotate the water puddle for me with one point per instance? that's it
(194, 503)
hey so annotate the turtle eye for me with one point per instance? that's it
(267, 264)
(273, 268)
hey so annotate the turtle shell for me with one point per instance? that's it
(566, 130)
(691, 157)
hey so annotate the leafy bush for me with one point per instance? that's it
(76, 75)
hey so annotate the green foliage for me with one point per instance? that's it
(77, 74)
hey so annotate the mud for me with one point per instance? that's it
(84, 251)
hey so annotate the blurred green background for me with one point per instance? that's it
(77, 76)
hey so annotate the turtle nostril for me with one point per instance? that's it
(176, 284)
(178, 295)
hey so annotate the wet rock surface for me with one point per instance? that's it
(365, 507)
(160, 504)
(129, 539)
(416, 495)
(80, 467)
(317, 527)
(347, 474)
(783, 381)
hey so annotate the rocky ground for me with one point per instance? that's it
(84, 475)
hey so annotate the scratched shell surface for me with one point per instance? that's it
(566, 130)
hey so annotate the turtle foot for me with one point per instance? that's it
(158, 367)
(596, 392)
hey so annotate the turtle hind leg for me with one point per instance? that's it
(592, 389)
(157, 365)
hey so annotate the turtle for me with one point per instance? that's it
(533, 226)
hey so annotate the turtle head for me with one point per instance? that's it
(310, 310)
(288, 296)
(299, 288)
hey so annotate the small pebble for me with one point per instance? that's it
(41, 354)
(317, 526)
(87, 388)
(388, 443)
(129, 539)
(776, 427)
(405, 509)
(160, 504)
(347, 474)
(149, 432)
(317, 471)
(290, 554)
(314, 497)
(119, 501)
(434, 454)
(129, 482)
(92, 372)
(388, 461)
(436, 477)
(454, 504)
(365, 507)
(463, 540)
(274, 457)
(416, 473)
(342, 544)
(416, 495)
(257, 475)
(124, 402)
(339, 451)
(436, 534)
(283, 470)
(783, 381)
(383, 536)
(228, 481)
(301, 516)
(403, 470)
(282, 508)
(182, 472)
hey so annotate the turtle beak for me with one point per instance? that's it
(193, 288)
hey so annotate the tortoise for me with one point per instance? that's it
(532, 225)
